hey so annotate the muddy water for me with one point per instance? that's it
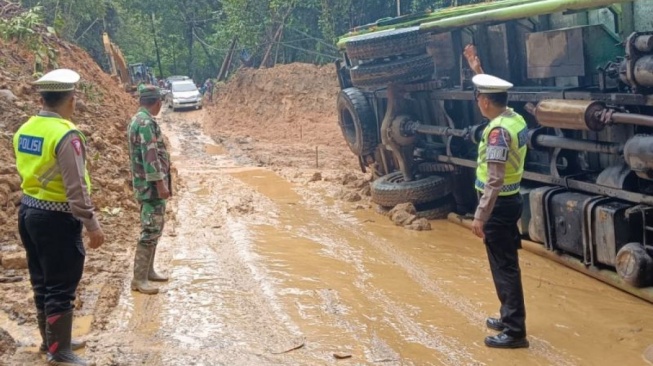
(266, 272)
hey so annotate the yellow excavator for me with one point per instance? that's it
(128, 75)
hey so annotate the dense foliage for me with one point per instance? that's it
(193, 36)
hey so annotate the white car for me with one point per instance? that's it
(183, 94)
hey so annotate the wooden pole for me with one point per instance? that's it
(277, 35)
(227, 60)
(156, 46)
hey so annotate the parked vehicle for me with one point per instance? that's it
(407, 110)
(170, 79)
(183, 94)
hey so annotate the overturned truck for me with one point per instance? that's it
(407, 110)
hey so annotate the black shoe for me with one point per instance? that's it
(502, 340)
(494, 323)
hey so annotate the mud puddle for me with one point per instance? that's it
(268, 272)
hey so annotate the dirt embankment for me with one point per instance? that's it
(103, 110)
(284, 112)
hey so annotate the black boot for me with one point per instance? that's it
(495, 324)
(58, 330)
(503, 340)
(40, 317)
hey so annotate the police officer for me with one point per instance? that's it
(50, 157)
(501, 156)
(150, 166)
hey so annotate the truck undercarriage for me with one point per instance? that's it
(407, 110)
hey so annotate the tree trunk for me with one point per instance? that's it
(208, 55)
(227, 61)
(276, 36)
(191, 43)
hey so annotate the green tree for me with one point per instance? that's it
(194, 35)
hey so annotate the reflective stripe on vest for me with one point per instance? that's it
(516, 127)
(35, 145)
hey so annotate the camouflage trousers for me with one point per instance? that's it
(152, 221)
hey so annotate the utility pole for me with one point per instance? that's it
(156, 46)
(398, 7)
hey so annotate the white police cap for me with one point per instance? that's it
(59, 80)
(486, 84)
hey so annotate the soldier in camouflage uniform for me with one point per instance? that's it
(150, 166)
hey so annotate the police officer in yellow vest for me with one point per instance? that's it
(501, 156)
(50, 157)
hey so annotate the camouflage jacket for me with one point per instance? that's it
(150, 161)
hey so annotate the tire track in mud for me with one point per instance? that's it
(305, 224)
(216, 309)
(448, 349)
(251, 323)
(420, 275)
(452, 351)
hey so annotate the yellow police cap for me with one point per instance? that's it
(486, 84)
(60, 80)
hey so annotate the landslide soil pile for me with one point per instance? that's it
(280, 116)
(287, 103)
(103, 109)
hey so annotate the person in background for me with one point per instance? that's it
(208, 87)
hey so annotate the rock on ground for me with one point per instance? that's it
(7, 94)
(16, 260)
(7, 344)
(350, 196)
(405, 215)
(317, 176)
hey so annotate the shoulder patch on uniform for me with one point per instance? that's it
(77, 145)
(499, 137)
(30, 145)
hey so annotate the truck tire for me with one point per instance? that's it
(405, 70)
(357, 122)
(436, 210)
(391, 190)
(392, 42)
(634, 265)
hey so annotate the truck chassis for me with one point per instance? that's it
(407, 110)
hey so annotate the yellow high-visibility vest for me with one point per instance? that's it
(516, 127)
(35, 145)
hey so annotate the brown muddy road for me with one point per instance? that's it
(267, 271)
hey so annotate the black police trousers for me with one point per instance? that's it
(55, 256)
(502, 240)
